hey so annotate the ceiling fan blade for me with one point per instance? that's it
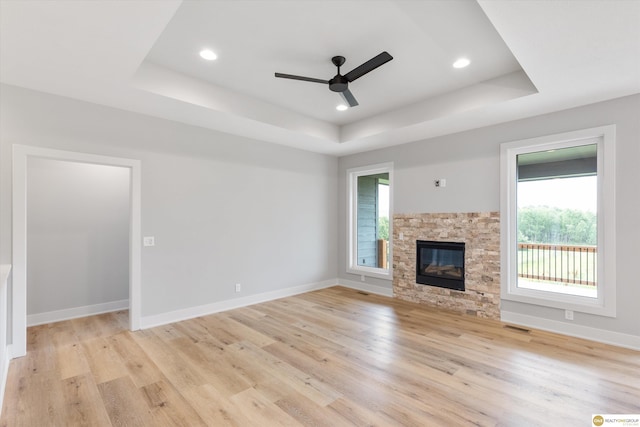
(305, 79)
(349, 98)
(368, 66)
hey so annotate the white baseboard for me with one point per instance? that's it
(366, 287)
(73, 313)
(216, 307)
(579, 331)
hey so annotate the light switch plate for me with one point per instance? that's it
(149, 241)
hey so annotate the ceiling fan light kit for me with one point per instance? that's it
(340, 83)
(208, 54)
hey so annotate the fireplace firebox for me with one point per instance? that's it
(440, 264)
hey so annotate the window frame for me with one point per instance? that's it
(605, 303)
(352, 211)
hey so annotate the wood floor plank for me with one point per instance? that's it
(104, 362)
(71, 360)
(35, 398)
(217, 410)
(305, 411)
(173, 366)
(83, 402)
(198, 332)
(334, 357)
(169, 407)
(101, 325)
(260, 410)
(211, 365)
(62, 333)
(346, 412)
(332, 374)
(38, 337)
(229, 331)
(141, 368)
(125, 404)
(289, 334)
(286, 375)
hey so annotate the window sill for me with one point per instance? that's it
(561, 301)
(378, 273)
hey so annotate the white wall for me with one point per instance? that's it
(470, 161)
(77, 235)
(223, 209)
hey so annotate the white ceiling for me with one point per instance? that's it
(528, 58)
(301, 37)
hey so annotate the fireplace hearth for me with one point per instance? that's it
(440, 264)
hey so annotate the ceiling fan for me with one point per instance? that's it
(340, 83)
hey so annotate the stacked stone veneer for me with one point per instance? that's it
(481, 234)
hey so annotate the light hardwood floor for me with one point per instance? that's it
(335, 357)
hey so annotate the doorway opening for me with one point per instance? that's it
(77, 239)
(22, 155)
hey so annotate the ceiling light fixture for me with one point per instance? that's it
(342, 107)
(208, 54)
(461, 63)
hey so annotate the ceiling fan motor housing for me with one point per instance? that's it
(338, 83)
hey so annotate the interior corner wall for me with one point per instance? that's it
(470, 162)
(223, 209)
(77, 235)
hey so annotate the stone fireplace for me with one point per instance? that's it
(480, 234)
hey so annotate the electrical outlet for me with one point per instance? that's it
(401, 236)
(362, 277)
(568, 314)
(238, 287)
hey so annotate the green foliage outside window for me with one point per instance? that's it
(542, 224)
(383, 228)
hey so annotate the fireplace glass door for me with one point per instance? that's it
(440, 264)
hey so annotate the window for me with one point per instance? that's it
(558, 230)
(369, 220)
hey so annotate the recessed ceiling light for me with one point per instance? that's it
(461, 63)
(342, 107)
(208, 54)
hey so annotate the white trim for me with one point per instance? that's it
(352, 212)
(4, 373)
(366, 287)
(594, 334)
(605, 304)
(135, 247)
(5, 272)
(75, 312)
(216, 307)
(19, 251)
